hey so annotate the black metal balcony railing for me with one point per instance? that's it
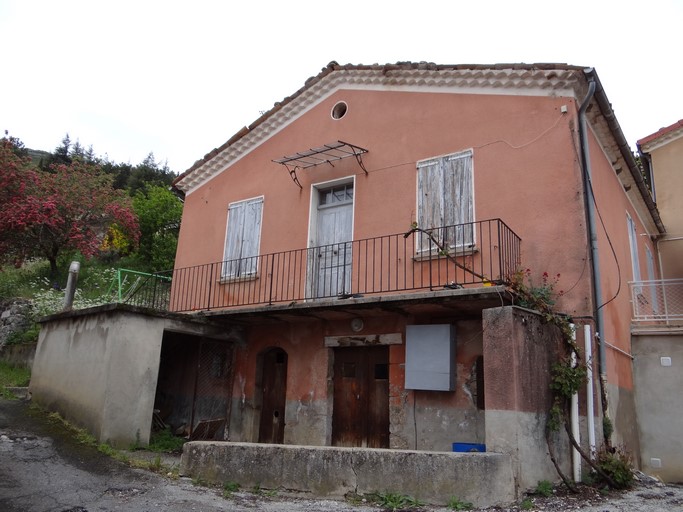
(444, 258)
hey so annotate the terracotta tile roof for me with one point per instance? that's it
(661, 132)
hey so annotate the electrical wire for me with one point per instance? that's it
(609, 241)
(528, 143)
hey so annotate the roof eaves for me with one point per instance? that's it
(624, 148)
(661, 133)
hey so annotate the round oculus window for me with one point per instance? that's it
(339, 110)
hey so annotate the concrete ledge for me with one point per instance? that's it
(485, 479)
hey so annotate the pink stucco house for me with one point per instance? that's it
(362, 234)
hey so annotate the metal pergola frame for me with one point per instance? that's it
(325, 154)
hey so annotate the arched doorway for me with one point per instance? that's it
(273, 390)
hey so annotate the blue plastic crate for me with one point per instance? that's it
(469, 447)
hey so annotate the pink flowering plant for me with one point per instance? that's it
(540, 296)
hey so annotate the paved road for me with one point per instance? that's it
(43, 469)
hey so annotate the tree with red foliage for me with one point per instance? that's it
(68, 207)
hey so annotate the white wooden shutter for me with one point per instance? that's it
(243, 238)
(251, 236)
(445, 198)
(458, 201)
(430, 199)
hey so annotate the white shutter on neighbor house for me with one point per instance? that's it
(243, 238)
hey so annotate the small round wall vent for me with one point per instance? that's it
(339, 110)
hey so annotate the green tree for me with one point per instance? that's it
(158, 211)
(149, 173)
(61, 155)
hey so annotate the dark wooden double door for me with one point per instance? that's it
(361, 397)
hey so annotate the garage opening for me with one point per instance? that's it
(194, 386)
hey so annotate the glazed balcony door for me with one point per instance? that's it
(332, 254)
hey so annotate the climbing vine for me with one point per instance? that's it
(568, 374)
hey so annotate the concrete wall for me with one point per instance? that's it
(659, 403)
(98, 368)
(519, 350)
(485, 479)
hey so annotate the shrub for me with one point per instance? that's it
(165, 441)
(544, 488)
(616, 464)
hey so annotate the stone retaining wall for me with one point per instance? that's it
(484, 479)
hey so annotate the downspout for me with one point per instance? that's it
(593, 237)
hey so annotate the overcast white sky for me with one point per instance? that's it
(180, 78)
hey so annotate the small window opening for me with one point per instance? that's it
(339, 110)
(381, 371)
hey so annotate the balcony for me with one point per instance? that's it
(448, 258)
(657, 302)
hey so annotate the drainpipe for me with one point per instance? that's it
(592, 234)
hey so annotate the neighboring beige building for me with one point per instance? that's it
(657, 329)
(662, 157)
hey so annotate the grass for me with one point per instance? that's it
(164, 441)
(83, 437)
(34, 276)
(456, 503)
(544, 488)
(394, 501)
(13, 377)
(526, 504)
(229, 488)
(21, 282)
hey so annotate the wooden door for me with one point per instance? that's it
(361, 397)
(273, 397)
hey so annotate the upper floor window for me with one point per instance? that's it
(242, 239)
(633, 244)
(445, 201)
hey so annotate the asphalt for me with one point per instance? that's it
(43, 468)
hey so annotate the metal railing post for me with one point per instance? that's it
(272, 278)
